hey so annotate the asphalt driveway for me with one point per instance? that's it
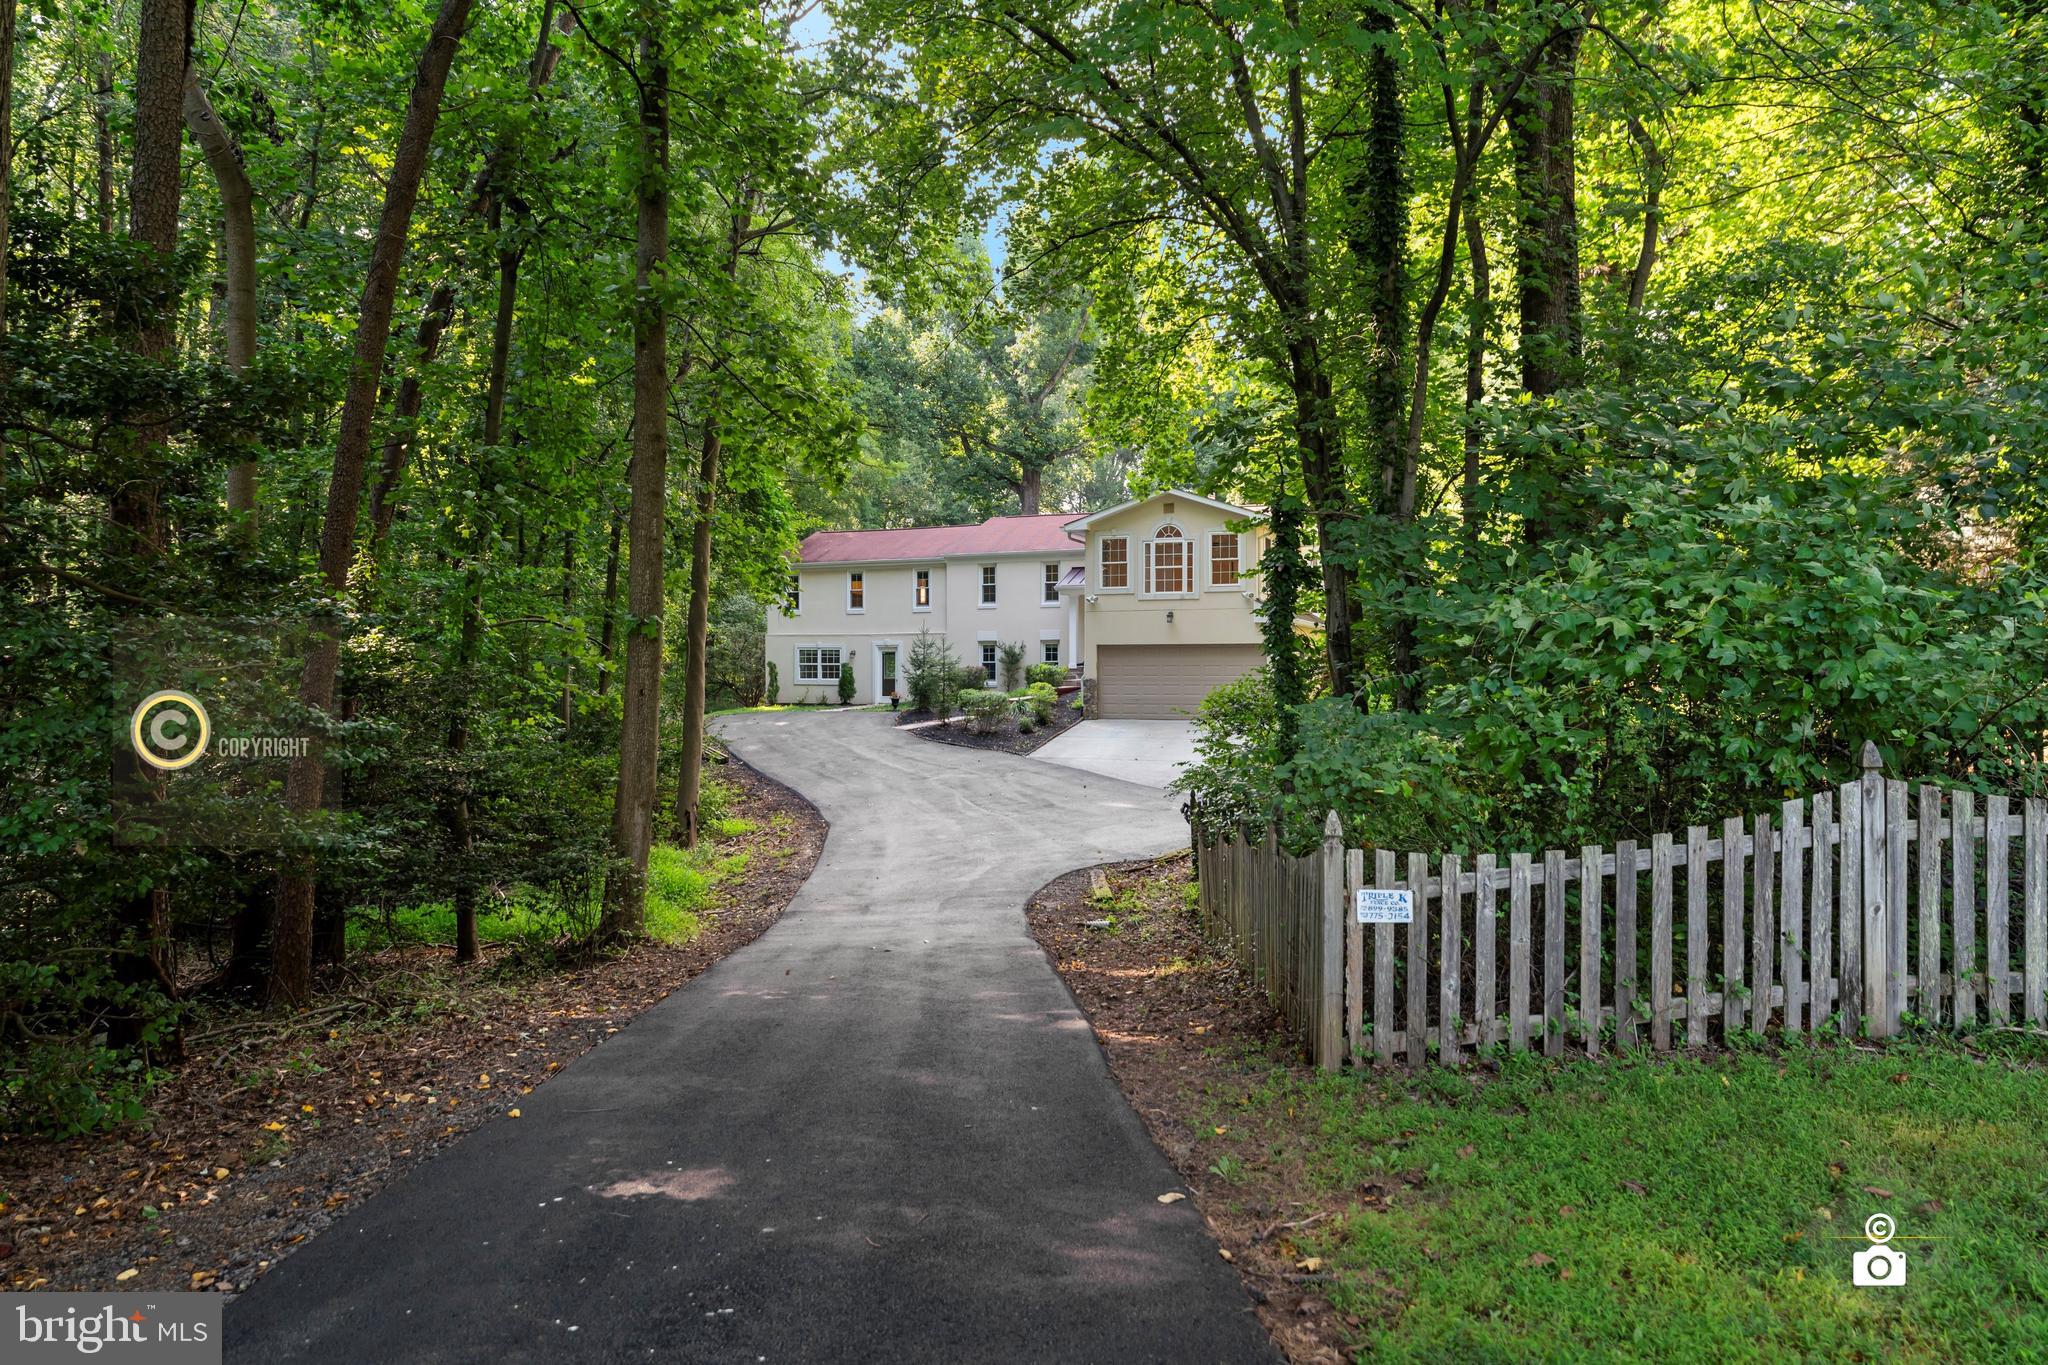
(881, 1132)
(1147, 752)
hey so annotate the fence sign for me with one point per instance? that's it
(1385, 907)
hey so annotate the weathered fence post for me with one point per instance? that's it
(1330, 1013)
(1877, 936)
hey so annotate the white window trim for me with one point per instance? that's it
(1191, 563)
(852, 610)
(1128, 566)
(927, 589)
(991, 659)
(1237, 583)
(985, 586)
(1049, 595)
(1059, 650)
(797, 665)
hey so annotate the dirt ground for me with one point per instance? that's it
(1189, 1040)
(271, 1125)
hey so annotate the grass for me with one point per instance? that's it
(679, 886)
(1680, 1209)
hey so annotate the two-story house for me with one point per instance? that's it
(861, 597)
(1152, 603)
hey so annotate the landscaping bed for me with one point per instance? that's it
(1671, 1207)
(274, 1124)
(1007, 737)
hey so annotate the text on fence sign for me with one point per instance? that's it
(1385, 907)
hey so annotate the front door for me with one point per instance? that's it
(888, 672)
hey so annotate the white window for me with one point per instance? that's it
(921, 591)
(1169, 566)
(856, 592)
(988, 659)
(796, 595)
(1051, 651)
(817, 663)
(1223, 569)
(1052, 585)
(1115, 570)
(988, 585)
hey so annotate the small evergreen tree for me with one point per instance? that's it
(846, 686)
(928, 673)
(1012, 657)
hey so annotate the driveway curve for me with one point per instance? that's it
(881, 1132)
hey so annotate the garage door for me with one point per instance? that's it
(1165, 682)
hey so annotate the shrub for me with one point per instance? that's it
(1010, 667)
(774, 684)
(1394, 782)
(846, 684)
(1037, 701)
(986, 709)
(1049, 674)
(969, 678)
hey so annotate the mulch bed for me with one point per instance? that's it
(1188, 1037)
(272, 1125)
(1007, 739)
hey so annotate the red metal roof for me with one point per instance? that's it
(1044, 534)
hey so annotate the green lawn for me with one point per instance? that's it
(1680, 1210)
(679, 885)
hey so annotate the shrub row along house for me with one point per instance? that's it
(1152, 604)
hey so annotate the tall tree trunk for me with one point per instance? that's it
(405, 413)
(1547, 247)
(103, 138)
(568, 605)
(1030, 489)
(461, 835)
(1380, 193)
(142, 957)
(1653, 218)
(625, 887)
(695, 666)
(440, 310)
(1478, 319)
(1320, 453)
(610, 614)
(291, 973)
(238, 264)
(7, 8)
(1541, 118)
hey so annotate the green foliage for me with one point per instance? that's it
(931, 674)
(1010, 665)
(847, 686)
(1036, 701)
(774, 681)
(986, 709)
(1052, 675)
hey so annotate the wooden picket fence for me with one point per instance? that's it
(1854, 909)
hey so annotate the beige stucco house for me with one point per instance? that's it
(1151, 604)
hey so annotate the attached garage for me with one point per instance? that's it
(1165, 682)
